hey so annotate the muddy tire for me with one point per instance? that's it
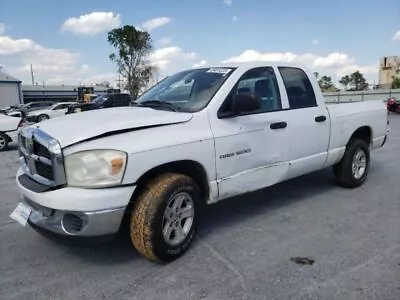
(4, 140)
(352, 170)
(165, 217)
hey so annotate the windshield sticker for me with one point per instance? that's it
(223, 71)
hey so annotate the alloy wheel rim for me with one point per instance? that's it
(2, 142)
(178, 218)
(359, 164)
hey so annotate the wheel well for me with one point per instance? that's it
(363, 133)
(190, 168)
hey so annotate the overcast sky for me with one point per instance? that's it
(66, 40)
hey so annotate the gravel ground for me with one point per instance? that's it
(243, 250)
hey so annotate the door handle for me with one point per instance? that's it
(320, 119)
(278, 125)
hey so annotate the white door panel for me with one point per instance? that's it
(308, 123)
(249, 154)
(253, 156)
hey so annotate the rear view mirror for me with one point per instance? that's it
(246, 102)
(242, 103)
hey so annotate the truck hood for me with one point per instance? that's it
(78, 127)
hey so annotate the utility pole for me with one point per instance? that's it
(33, 80)
(119, 81)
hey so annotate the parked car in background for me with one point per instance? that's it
(37, 105)
(102, 101)
(54, 111)
(9, 127)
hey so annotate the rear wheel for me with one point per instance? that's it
(165, 217)
(353, 169)
(3, 141)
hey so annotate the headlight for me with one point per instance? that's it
(95, 168)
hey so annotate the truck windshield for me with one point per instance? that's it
(100, 99)
(187, 91)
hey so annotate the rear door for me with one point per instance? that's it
(308, 123)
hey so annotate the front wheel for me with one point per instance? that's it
(165, 217)
(352, 170)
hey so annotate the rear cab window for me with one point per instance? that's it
(299, 89)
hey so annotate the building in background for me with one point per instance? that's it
(10, 90)
(57, 93)
(389, 67)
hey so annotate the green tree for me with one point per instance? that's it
(358, 82)
(345, 81)
(325, 82)
(396, 80)
(396, 83)
(131, 56)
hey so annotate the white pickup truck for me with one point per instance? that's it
(195, 138)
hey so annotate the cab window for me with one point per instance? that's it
(260, 82)
(299, 89)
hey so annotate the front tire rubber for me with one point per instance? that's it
(352, 170)
(165, 217)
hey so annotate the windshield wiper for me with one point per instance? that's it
(158, 103)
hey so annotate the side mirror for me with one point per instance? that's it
(242, 103)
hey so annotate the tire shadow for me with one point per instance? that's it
(235, 210)
(118, 249)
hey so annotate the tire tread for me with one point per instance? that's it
(341, 169)
(145, 210)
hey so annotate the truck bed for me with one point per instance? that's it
(345, 116)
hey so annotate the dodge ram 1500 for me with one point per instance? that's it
(195, 138)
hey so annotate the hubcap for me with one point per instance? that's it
(178, 218)
(2, 142)
(359, 164)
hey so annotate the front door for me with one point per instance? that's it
(251, 149)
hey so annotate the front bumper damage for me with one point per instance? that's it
(74, 211)
(75, 223)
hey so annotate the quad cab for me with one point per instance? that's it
(195, 138)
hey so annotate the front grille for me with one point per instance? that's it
(41, 157)
(40, 150)
(44, 170)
